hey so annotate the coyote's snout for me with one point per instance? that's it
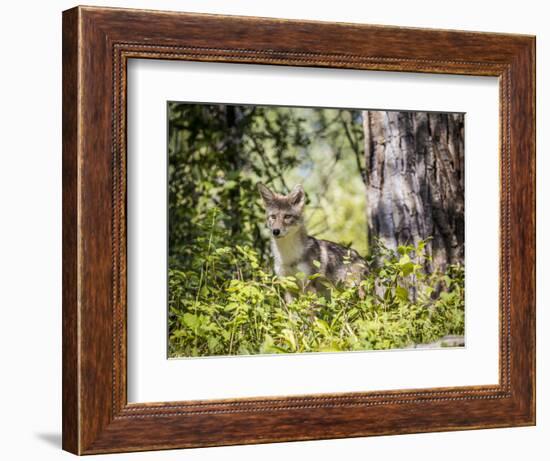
(295, 251)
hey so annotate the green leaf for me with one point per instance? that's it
(191, 320)
(407, 268)
(402, 293)
(213, 343)
(404, 259)
(323, 326)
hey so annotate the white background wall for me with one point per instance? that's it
(30, 228)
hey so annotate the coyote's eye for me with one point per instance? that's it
(272, 216)
(288, 216)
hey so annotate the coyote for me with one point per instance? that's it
(295, 251)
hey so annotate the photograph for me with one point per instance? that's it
(306, 229)
(277, 226)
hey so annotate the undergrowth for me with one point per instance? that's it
(224, 300)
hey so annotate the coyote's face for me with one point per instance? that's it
(284, 212)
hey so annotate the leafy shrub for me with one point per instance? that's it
(225, 301)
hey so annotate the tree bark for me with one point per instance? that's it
(415, 182)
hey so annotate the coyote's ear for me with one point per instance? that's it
(266, 194)
(297, 197)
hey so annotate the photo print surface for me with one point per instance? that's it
(296, 230)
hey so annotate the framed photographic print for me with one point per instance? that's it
(285, 230)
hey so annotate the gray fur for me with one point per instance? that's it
(295, 251)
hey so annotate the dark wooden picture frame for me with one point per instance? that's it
(97, 44)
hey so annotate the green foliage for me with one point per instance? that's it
(330, 169)
(225, 301)
(223, 297)
(217, 154)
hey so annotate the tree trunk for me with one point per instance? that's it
(415, 182)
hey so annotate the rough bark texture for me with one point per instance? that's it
(415, 181)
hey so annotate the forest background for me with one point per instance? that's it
(390, 184)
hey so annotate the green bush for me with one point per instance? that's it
(226, 301)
